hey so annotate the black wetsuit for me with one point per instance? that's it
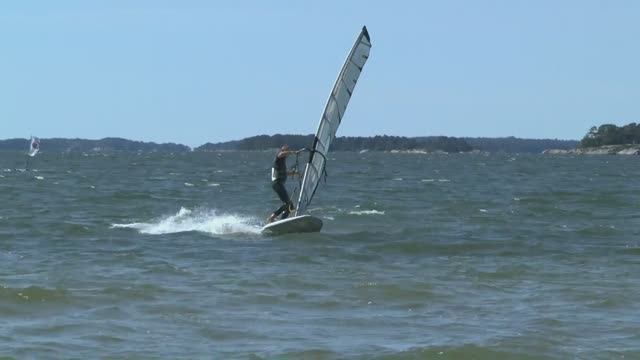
(279, 178)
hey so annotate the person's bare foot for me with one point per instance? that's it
(271, 218)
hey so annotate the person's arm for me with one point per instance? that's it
(285, 153)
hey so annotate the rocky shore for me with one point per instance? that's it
(600, 150)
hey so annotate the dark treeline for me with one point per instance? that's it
(15, 144)
(387, 143)
(516, 145)
(609, 134)
(84, 145)
(348, 143)
(376, 143)
(260, 142)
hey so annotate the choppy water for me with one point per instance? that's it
(421, 256)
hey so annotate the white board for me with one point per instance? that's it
(294, 224)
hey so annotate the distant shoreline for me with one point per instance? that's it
(417, 144)
(626, 149)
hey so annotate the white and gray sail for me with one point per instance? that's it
(331, 118)
(34, 146)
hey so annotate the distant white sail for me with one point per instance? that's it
(331, 118)
(34, 147)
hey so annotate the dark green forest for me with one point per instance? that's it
(609, 134)
(387, 143)
(344, 143)
(517, 145)
(375, 143)
(85, 145)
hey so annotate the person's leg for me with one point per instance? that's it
(275, 214)
(287, 210)
(281, 190)
(281, 209)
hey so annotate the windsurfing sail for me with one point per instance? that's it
(34, 147)
(331, 118)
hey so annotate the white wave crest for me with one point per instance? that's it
(205, 221)
(366, 212)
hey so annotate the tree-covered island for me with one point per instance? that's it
(607, 139)
(609, 134)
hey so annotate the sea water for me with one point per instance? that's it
(437, 256)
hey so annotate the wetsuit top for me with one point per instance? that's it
(279, 169)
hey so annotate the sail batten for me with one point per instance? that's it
(331, 118)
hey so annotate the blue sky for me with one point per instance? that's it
(199, 71)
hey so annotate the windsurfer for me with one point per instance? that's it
(278, 178)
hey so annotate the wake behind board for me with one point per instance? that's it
(295, 224)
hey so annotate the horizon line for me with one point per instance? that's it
(278, 134)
